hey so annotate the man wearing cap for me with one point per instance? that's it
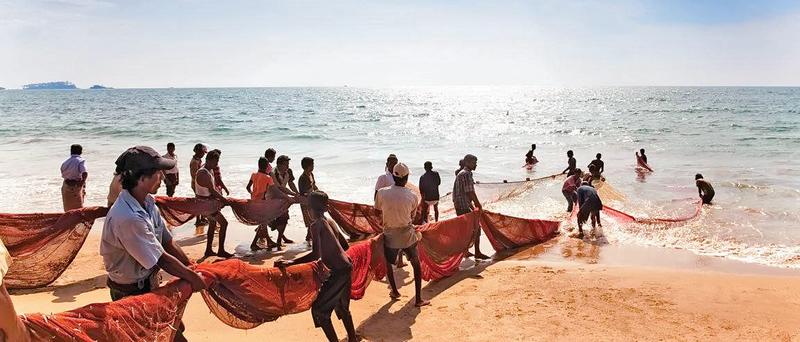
(386, 179)
(398, 204)
(464, 198)
(135, 243)
(284, 180)
(73, 170)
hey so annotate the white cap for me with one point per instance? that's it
(400, 170)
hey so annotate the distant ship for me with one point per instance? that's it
(50, 85)
(98, 86)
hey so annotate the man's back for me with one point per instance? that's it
(429, 185)
(397, 204)
(587, 195)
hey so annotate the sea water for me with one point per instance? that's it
(745, 141)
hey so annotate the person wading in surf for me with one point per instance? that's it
(590, 206)
(398, 204)
(530, 159)
(328, 246)
(704, 189)
(571, 164)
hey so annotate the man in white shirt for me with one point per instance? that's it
(73, 170)
(398, 204)
(171, 175)
(386, 179)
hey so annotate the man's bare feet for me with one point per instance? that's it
(394, 295)
(421, 303)
(224, 254)
(255, 248)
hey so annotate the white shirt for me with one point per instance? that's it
(131, 242)
(384, 180)
(398, 205)
(173, 170)
(73, 168)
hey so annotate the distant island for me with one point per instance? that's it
(50, 85)
(98, 86)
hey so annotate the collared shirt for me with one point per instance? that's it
(173, 170)
(398, 205)
(132, 239)
(384, 180)
(282, 179)
(463, 185)
(73, 168)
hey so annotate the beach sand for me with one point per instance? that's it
(565, 289)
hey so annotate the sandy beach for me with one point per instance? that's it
(565, 289)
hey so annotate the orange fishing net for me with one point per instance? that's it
(506, 232)
(43, 245)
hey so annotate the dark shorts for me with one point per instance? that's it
(392, 253)
(707, 198)
(333, 296)
(461, 210)
(586, 210)
(280, 222)
(119, 291)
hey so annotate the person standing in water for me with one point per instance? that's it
(704, 189)
(571, 164)
(530, 159)
(570, 187)
(429, 188)
(73, 171)
(171, 176)
(589, 207)
(398, 204)
(328, 246)
(599, 167)
(206, 188)
(641, 156)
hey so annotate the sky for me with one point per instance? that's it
(238, 43)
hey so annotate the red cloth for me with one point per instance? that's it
(506, 232)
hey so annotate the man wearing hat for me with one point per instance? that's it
(464, 198)
(398, 204)
(135, 243)
(284, 179)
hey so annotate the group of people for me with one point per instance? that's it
(135, 242)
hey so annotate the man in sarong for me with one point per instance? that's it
(73, 171)
(329, 246)
(398, 204)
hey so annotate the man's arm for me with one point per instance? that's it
(174, 267)
(308, 257)
(249, 186)
(290, 183)
(174, 250)
(474, 198)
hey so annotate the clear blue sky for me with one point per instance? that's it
(203, 43)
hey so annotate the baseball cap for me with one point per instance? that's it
(143, 158)
(400, 170)
(283, 158)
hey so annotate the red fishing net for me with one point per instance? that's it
(506, 232)
(368, 264)
(43, 245)
(244, 296)
(444, 245)
(356, 219)
(152, 316)
(178, 210)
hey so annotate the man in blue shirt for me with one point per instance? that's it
(589, 207)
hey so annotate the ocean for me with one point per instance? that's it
(746, 141)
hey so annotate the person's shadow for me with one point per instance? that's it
(400, 322)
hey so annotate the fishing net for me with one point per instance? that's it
(152, 316)
(176, 211)
(507, 232)
(368, 264)
(495, 192)
(43, 245)
(628, 218)
(356, 219)
(244, 296)
(444, 245)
